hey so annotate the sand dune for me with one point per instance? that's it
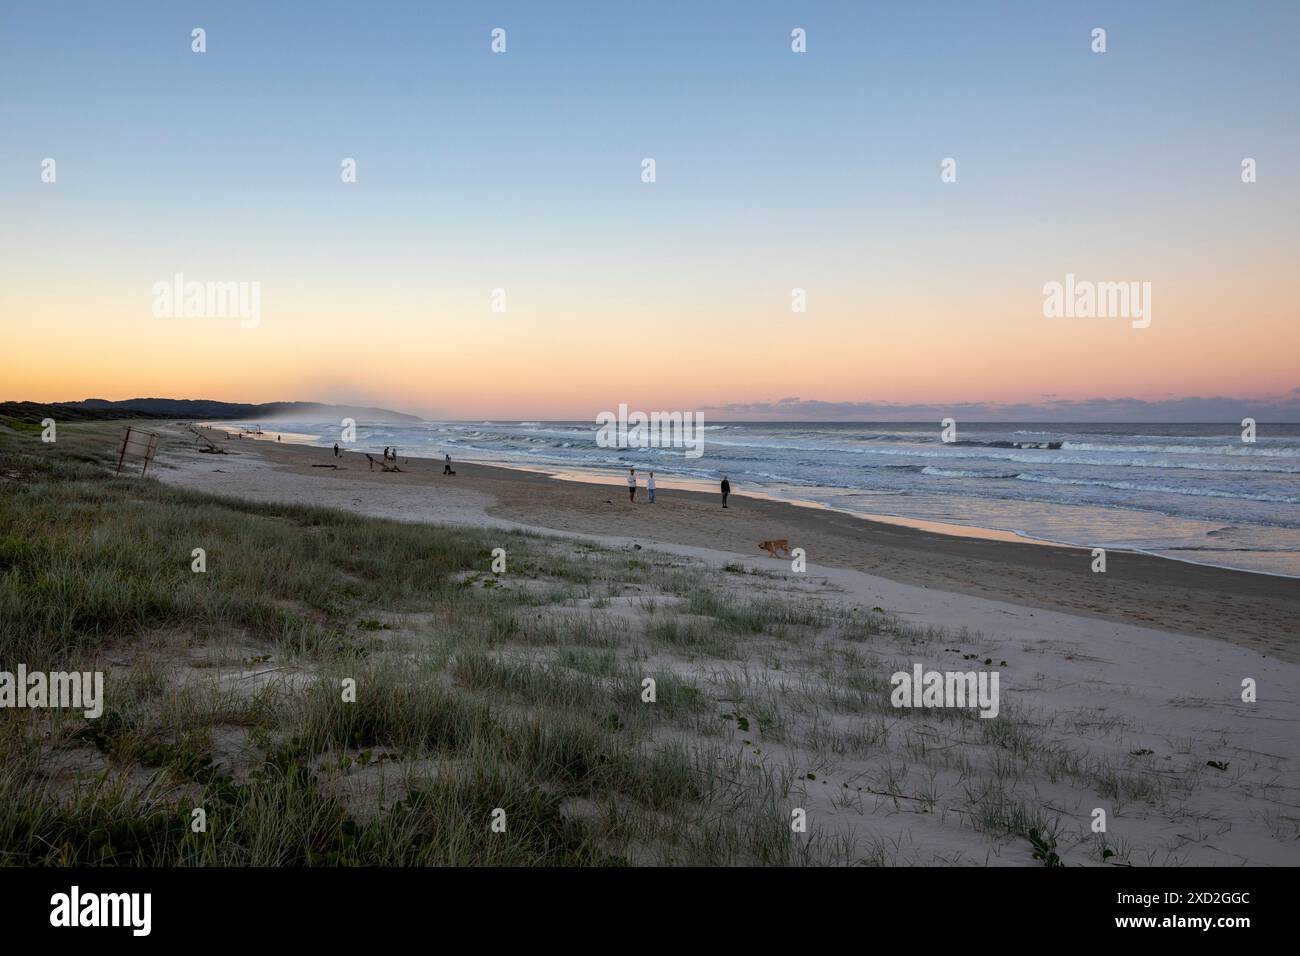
(1130, 682)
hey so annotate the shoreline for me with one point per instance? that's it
(934, 525)
(1250, 609)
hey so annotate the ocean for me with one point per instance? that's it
(1194, 492)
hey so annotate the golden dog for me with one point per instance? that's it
(772, 547)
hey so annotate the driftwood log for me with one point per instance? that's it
(212, 448)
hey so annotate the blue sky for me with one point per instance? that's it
(773, 170)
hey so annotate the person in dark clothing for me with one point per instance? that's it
(726, 490)
(336, 449)
(446, 467)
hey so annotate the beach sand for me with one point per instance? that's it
(1129, 682)
(1254, 611)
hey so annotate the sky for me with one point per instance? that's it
(522, 172)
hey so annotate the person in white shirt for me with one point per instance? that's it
(631, 484)
(650, 487)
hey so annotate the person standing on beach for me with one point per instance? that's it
(631, 484)
(336, 449)
(650, 487)
(446, 466)
(726, 490)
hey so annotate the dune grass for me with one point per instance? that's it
(343, 690)
(96, 573)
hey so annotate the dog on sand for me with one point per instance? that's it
(773, 547)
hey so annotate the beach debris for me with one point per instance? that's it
(335, 467)
(210, 447)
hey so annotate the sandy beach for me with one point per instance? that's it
(1131, 680)
(1253, 611)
